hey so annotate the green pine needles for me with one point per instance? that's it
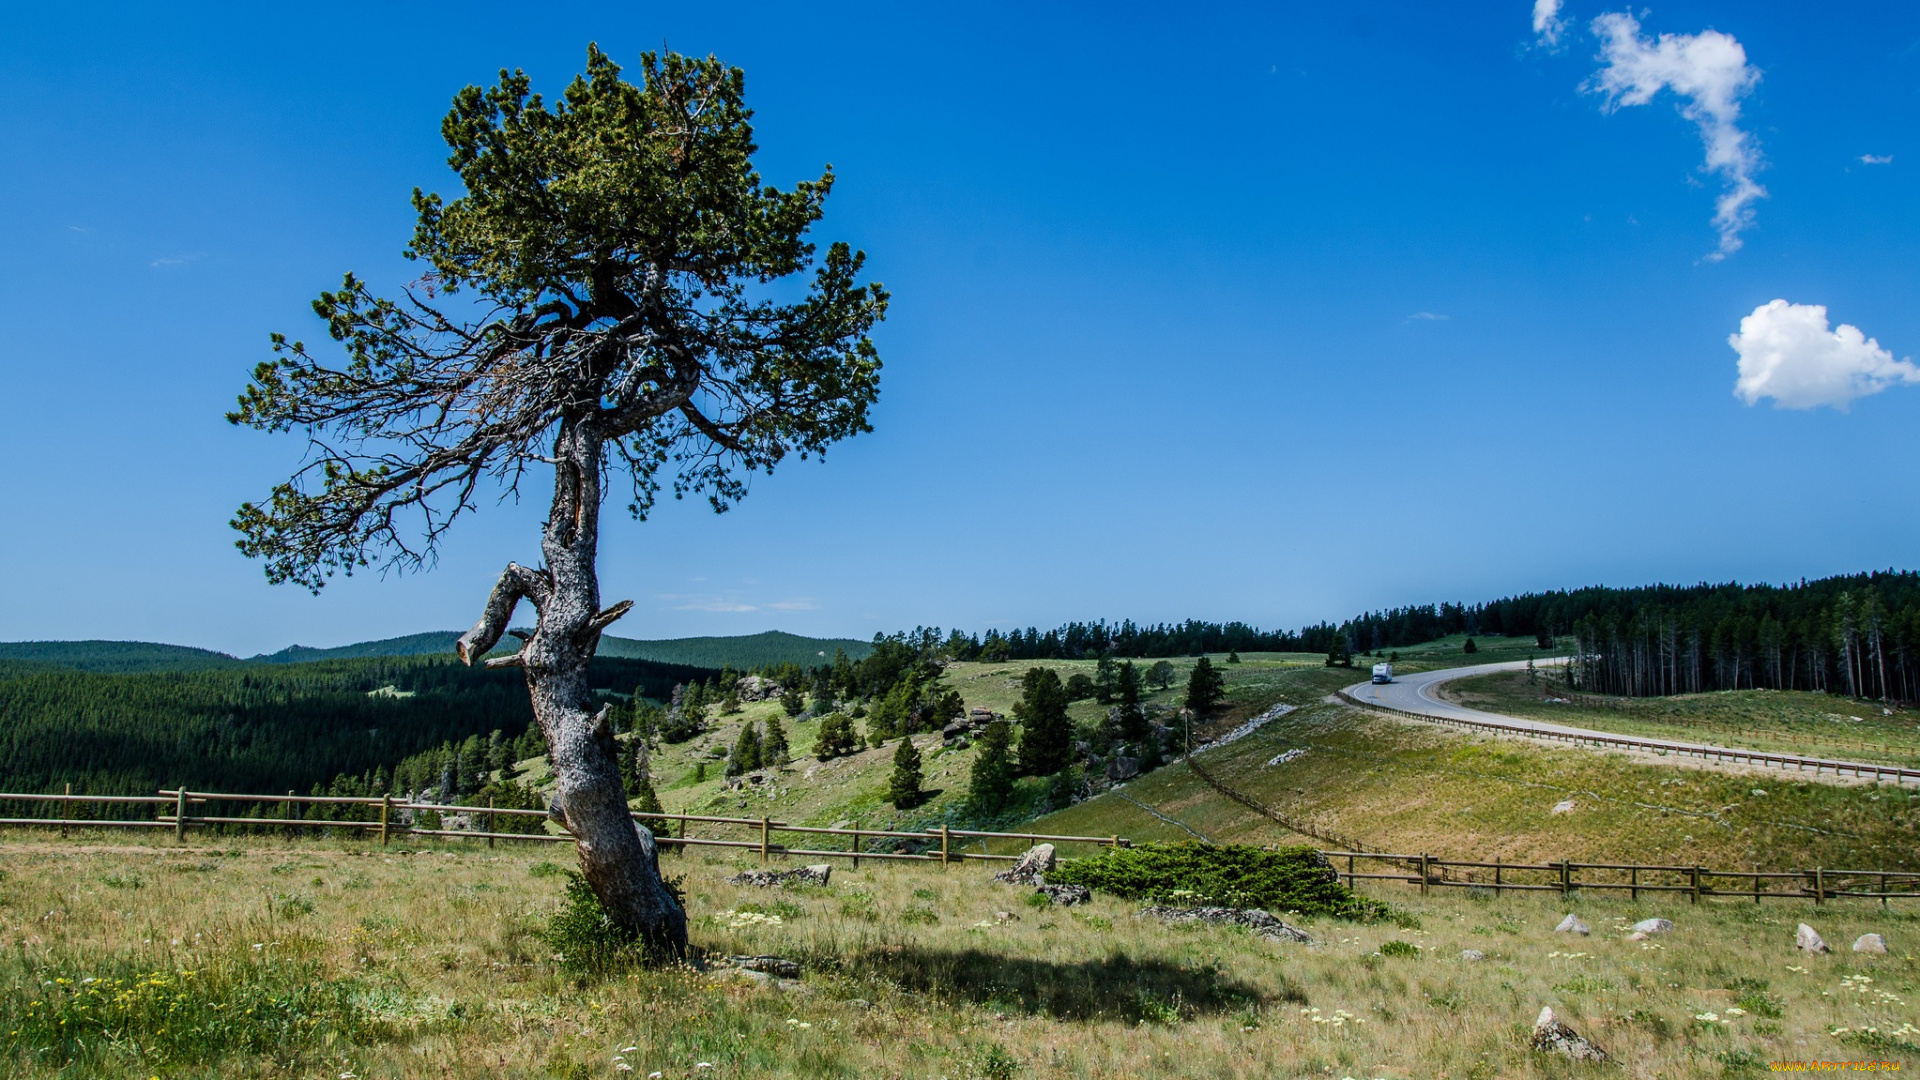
(1296, 879)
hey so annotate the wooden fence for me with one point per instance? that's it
(1696, 882)
(176, 810)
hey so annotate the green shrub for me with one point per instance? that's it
(586, 937)
(544, 869)
(1296, 879)
(1406, 950)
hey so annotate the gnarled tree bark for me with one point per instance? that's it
(618, 856)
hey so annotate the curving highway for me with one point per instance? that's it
(1415, 694)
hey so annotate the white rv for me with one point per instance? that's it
(1382, 673)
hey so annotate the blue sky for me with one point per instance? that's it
(1199, 311)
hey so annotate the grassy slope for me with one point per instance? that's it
(1408, 787)
(1788, 721)
(428, 964)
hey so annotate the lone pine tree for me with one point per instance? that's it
(991, 781)
(903, 787)
(1046, 733)
(605, 300)
(1205, 686)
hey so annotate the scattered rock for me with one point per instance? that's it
(1472, 955)
(1870, 943)
(1572, 925)
(1123, 768)
(1552, 1036)
(756, 688)
(1259, 922)
(1637, 936)
(816, 874)
(1031, 869)
(778, 967)
(1806, 939)
(1564, 806)
(955, 729)
(1006, 916)
(1065, 895)
(1653, 926)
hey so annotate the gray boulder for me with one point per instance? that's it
(1123, 768)
(1652, 926)
(1806, 939)
(1065, 895)
(1554, 1037)
(1572, 925)
(1259, 922)
(817, 874)
(1031, 869)
(1870, 943)
(1472, 955)
(1564, 806)
(776, 966)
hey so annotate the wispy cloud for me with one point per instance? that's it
(1709, 72)
(1547, 23)
(1428, 316)
(1876, 159)
(1787, 353)
(177, 260)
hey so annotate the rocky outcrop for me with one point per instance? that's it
(816, 874)
(1807, 939)
(1031, 869)
(776, 966)
(1870, 943)
(1554, 1037)
(1572, 925)
(757, 688)
(1259, 922)
(1650, 927)
(1065, 895)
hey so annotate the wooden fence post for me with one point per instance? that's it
(1756, 883)
(386, 814)
(1349, 869)
(1696, 885)
(1566, 877)
(290, 814)
(1496, 875)
(66, 810)
(489, 821)
(1819, 885)
(1425, 873)
(180, 815)
(683, 834)
(765, 828)
(1634, 883)
(856, 845)
(944, 838)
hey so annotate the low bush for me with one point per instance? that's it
(1297, 879)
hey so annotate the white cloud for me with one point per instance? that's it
(1428, 316)
(1787, 353)
(1547, 23)
(1710, 73)
(1876, 159)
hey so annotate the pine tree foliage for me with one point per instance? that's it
(1205, 686)
(990, 782)
(1046, 732)
(903, 787)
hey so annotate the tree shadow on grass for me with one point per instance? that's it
(1111, 987)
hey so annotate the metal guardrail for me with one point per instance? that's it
(1723, 754)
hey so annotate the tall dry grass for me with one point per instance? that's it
(430, 963)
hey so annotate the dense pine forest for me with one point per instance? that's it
(1857, 635)
(263, 727)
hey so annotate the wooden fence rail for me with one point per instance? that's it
(1425, 871)
(385, 815)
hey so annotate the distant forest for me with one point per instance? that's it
(263, 728)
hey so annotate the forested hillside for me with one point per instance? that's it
(116, 656)
(262, 728)
(1857, 635)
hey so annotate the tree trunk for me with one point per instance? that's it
(618, 856)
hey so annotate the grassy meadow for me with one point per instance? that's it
(336, 959)
(1785, 720)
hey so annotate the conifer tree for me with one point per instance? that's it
(773, 751)
(746, 751)
(1128, 719)
(1205, 686)
(1046, 736)
(903, 787)
(791, 702)
(991, 781)
(836, 737)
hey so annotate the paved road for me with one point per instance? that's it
(1415, 693)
